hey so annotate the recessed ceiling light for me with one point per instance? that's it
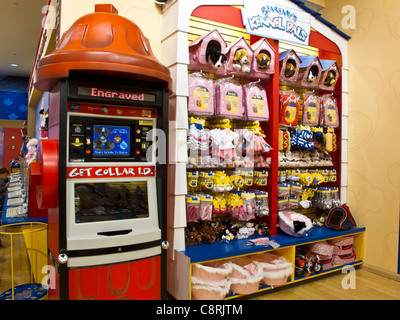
(14, 65)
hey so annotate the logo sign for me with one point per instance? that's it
(109, 172)
(273, 20)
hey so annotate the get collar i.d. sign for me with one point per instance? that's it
(271, 19)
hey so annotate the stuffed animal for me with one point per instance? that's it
(263, 60)
(24, 131)
(290, 69)
(241, 60)
(330, 79)
(215, 57)
(31, 146)
(311, 77)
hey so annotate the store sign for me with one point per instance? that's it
(115, 94)
(271, 19)
(109, 172)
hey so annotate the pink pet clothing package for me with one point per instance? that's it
(201, 95)
(255, 102)
(229, 99)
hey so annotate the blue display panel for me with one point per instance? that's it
(111, 140)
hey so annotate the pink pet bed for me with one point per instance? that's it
(276, 270)
(245, 277)
(294, 224)
(323, 249)
(340, 242)
(327, 264)
(211, 272)
(209, 280)
(344, 259)
(210, 292)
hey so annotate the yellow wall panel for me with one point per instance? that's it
(374, 97)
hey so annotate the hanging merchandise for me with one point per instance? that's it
(289, 108)
(252, 147)
(255, 102)
(192, 180)
(197, 139)
(261, 208)
(261, 178)
(192, 208)
(329, 111)
(229, 99)
(201, 95)
(205, 212)
(330, 140)
(302, 138)
(318, 137)
(223, 146)
(311, 109)
(284, 143)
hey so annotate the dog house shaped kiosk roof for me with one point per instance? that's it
(262, 46)
(309, 64)
(284, 57)
(239, 43)
(198, 48)
(327, 66)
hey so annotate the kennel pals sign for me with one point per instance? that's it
(271, 19)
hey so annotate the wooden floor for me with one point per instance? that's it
(368, 286)
(22, 272)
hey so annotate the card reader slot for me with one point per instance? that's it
(114, 233)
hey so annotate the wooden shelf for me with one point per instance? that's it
(287, 249)
(221, 250)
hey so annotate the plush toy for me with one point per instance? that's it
(311, 77)
(330, 79)
(215, 57)
(289, 70)
(31, 146)
(263, 60)
(241, 61)
(24, 131)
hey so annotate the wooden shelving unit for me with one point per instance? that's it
(287, 249)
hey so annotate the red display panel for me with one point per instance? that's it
(137, 280)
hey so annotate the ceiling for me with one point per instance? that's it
(20, 24)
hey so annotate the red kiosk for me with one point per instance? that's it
(99, 175)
